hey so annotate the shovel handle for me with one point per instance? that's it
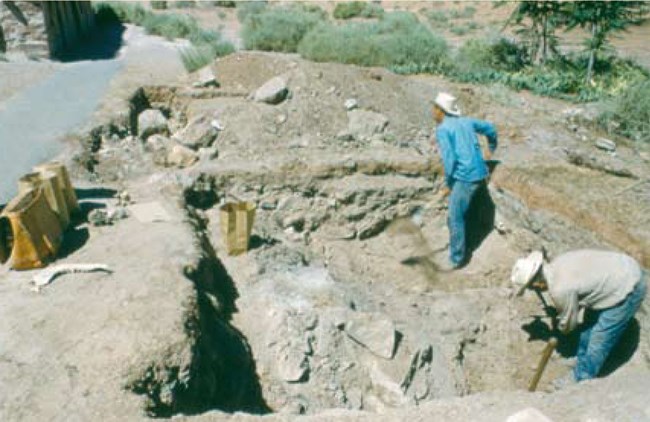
(546, 355)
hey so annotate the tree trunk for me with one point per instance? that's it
(544, 39)
(3, 43)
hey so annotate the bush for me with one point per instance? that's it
(184, 4)
(170, 26)
(196, 57)
(280, 28)
(437, 16)
(477, 55)
(628, 114)
(398, 41)
(355, 9)
(247, 8)
(158, 5)
(466, 13)
(224, 3)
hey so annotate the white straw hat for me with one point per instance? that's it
(448, 103)
(524, 271)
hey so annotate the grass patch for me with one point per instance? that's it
(206, 45)
(184, 4)
(354, 9)
(280, 28)
(224, 3)
(247, 8)
(158, 5)
(628, 114)
(397, 41)
(437, 18)
(466, 13)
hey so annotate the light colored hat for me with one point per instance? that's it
(448, 103)
(524, 271)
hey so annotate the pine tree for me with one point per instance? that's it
(602, 19)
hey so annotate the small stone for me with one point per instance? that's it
(281, 118)
(365, 124)
(351, 104)
(272, 92)
(99, 217)
(605, 144)
(151, 122)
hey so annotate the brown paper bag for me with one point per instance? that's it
(236, 226)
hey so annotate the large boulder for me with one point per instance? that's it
(151, 122)
(273, 91)
(199, 133)
(363, 124)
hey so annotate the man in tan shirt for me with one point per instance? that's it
(610, 284)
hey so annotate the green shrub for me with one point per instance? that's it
(196, 57)
(158, 5)
(280, 28)
(353, 9)
(477, 55)
(224, 3)
(628, 113)
(184, 4)
(437, 18)
(170, 26)
(397, 41)
(459, 30)
(466, 13)
(247, 8)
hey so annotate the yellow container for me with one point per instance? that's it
(236, 220)
(36, 233)
(64, 181)
(52, 190)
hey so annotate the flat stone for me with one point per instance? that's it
(181, 157)
(293, 366)
(373, 331)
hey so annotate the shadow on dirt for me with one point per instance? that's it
(103, 43)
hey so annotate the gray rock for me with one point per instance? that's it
(157, 143)
(605, 144)
(205, 78)
(199, 133)
(373, 331)
(151, 122)
(99, 217)
(209, 153)
(272, 92)
(365, 124)
(530, 414)
(345, 136)
(181, 156)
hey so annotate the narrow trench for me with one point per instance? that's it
(222, 374)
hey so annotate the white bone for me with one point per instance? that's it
(46, 276)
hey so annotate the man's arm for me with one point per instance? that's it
(568, 309)
(447, 154)
(488, 130)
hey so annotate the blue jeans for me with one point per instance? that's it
(598, 340)
(459, 201)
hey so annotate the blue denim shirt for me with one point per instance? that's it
(460, 149)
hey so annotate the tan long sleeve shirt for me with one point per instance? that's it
(588, 278)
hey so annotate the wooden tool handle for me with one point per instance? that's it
(546, 355)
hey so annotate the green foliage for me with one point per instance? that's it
(170, 26)
(184, 4)
(479, 56)
(224, 3)
(353, 9)
(628, 114)
(465, 13)
(280, 28)
(601, 19)
(196, 57)
(158, 5)
(437, 18)
(247, 8)
(397, 41)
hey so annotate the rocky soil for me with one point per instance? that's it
(338, 311)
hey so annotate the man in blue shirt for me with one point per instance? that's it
(464, 165)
